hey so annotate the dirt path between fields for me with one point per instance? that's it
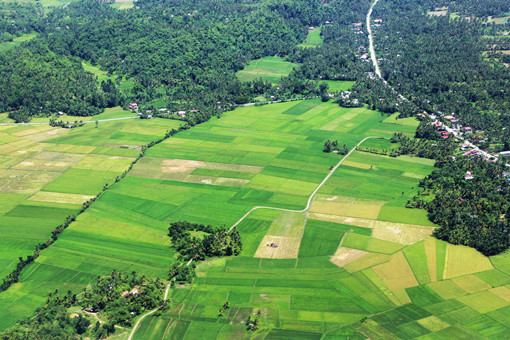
(309, 203)
(147, 314)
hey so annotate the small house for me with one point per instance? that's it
(469, 176)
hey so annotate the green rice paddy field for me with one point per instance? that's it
(358, 265)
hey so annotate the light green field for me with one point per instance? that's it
(123, 5)
(17, 41)
(269, 156)
(409, 121)
(267, 68)
(313, 39)
(95, 70)
(339, 85)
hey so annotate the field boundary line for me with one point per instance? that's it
(309, 202)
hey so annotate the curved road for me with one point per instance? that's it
(309, 203)
(147, 314)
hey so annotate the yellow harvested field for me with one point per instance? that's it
(358, 210)
(58, 197)
(332, 208)
(400, 232)
(369, 260)
(461, 260)
(433, 323)
(344, 255)
(286, 247)
(471, 283)
(32, 131)
(396, 273)
(358, 165)
(364, 211)
(360, 222)
(430, 250)
(503, 292)
(17, 145)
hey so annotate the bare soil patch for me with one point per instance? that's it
(344, 255)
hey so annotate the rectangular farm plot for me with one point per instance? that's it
(484, 302)
(283, 237)
(80, 181)
(59, 197)
(319, 241)
(396, 274)
(104, 163)
(186, 171)
(25, 181)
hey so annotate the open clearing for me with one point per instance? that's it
(313, 39)
(267, 68)
(359, 253)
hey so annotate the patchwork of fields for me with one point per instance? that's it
(47, 174)
(357, 253)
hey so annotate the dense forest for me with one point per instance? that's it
(438, 63)
(470, 201)
(117, 297)
(17, 19)
(155, 46)
(196, 242)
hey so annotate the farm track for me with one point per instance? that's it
(309, 203)
(130, 337)
(307, 208)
